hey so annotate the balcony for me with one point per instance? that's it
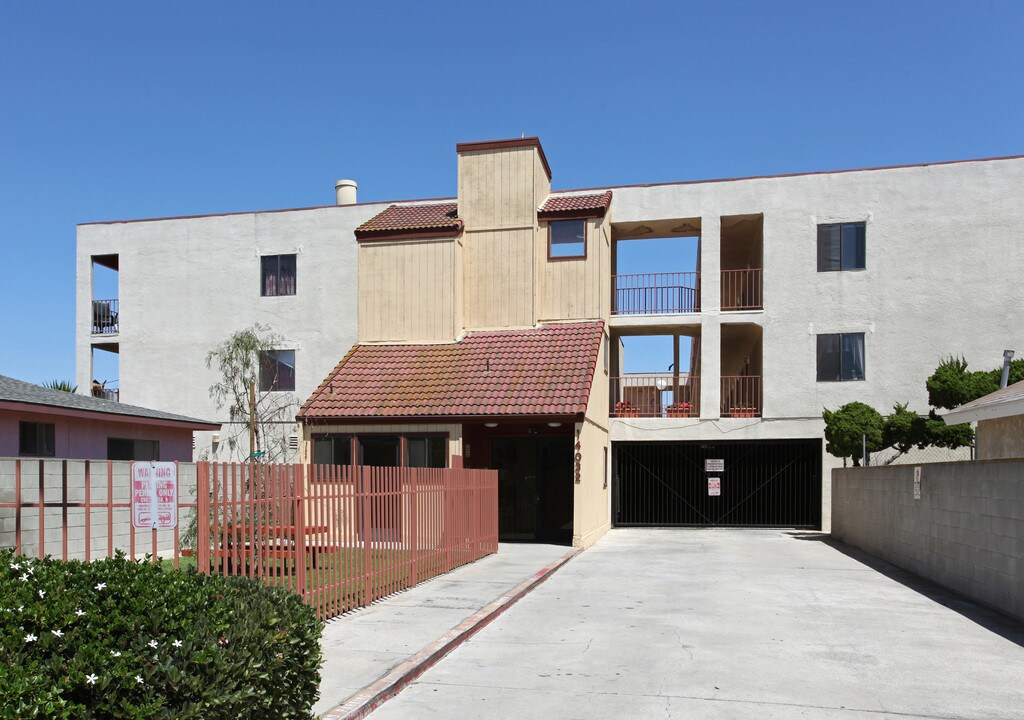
(655, 293)
(655, 396)
(104, 317)
(741, 396)
(741, 289)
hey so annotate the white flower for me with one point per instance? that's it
(15, 566)
(91, 679)
(42, 593)
(115, 653)
(153, 643)
(24, 577)
(79, 612)
(30, 638)
(20, 608)
(176, 643)
(57, 633)
(101, 586)
(138, 679)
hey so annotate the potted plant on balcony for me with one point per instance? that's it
(679, 410)
(624, 408)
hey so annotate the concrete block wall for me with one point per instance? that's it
(966, 532)
(53, 517)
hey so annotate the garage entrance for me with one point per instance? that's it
(771, 483)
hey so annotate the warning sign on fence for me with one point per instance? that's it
(714, 486)
(154, 495)
(714, 465)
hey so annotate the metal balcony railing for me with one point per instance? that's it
(104, 317)
(741, 396)
(741, 289)
(655, 293)
(664, 395)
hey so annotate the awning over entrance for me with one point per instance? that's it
(543, 371)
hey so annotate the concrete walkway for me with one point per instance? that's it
(366, 644)
(728, 624)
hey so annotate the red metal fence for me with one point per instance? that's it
(741, 396)
(741, 289)
(343, 536)
(339, 536)
(655, 293)
(665, 395)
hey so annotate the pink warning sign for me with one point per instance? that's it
(714, 486)
(154, 495)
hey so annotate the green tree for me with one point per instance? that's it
(258, 421)
(952, 384)
(846, 428)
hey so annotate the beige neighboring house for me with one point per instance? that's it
(1000, 418)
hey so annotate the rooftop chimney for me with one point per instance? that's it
(346, 192)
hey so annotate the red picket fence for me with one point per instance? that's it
(81, 510)
(343, 536)
(340, 536)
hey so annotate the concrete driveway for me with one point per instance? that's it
(724, 623)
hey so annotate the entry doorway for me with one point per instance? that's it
(535, 487)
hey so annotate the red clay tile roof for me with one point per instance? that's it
(434, 220)
(541, 371)
(575, 206)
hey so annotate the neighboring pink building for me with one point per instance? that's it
(40, 422)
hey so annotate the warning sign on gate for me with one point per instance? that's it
(714, 465)
(714, 486)
(154, 495)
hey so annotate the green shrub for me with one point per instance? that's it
(121, 639)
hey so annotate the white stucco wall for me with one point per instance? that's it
(944, 258)
(186, 284)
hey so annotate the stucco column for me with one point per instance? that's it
(711, 367)
(710, 264)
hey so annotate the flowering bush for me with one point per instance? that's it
(121, 639)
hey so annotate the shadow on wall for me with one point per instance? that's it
(993, 621)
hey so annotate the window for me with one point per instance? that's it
(277, 370)
(36, 439)
(841, 246)
(125, 449)
(278, 275)
(426, 451)
(332, 449)
(379, 450)
(840, 357)
(567, 239)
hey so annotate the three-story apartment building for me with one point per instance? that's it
(492, 329)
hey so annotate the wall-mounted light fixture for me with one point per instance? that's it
(554, 424)
(491, 425)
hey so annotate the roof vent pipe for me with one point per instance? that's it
(345, 190)
(1007, 359)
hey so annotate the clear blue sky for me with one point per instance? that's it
(126, 109)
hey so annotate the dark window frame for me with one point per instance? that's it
(558, 258)
(859, 231)
(270, 371)
(837, 355)
(278, 275)
(403, 443)
(42, 433)
(133, 446)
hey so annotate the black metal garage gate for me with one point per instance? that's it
(770, 483)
